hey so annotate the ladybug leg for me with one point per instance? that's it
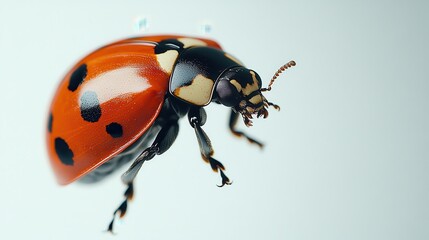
(232, 123)
(197, 117)
(162, 143)
(122, 209)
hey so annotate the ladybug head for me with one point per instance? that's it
(241, 89)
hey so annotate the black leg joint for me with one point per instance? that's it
(197, 115)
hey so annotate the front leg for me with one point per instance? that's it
(233, 121)
(197, 117)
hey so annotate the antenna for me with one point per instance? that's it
(281, 69)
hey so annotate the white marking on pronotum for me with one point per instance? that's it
(166, 60)
(189, 42)
(198, 93)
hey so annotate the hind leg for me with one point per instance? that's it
(162, 143)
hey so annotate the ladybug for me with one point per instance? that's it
(122, 103)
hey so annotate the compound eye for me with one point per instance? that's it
(227, 93)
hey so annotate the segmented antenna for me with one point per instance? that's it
(281, 69)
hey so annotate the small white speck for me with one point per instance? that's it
(140, 24)
(205, 28)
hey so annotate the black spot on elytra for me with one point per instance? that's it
(51, 118)
(65, 154)
(77, 77)
(90, 109)
(114, 129)
(168, 44)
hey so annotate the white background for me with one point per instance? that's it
(345, 158)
